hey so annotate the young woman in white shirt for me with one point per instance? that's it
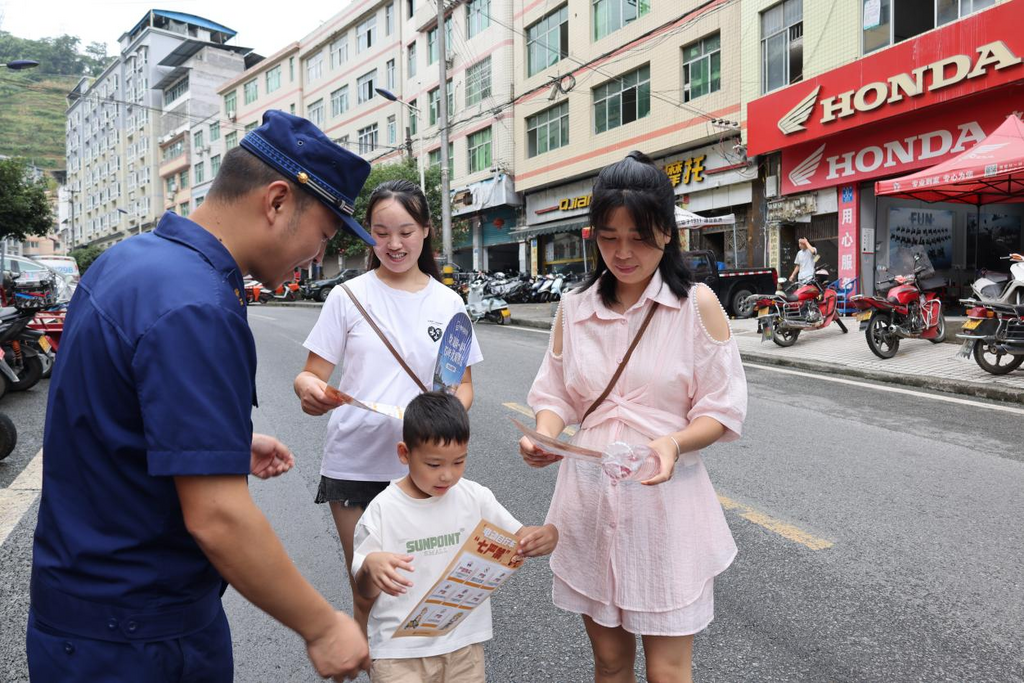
(403, 294)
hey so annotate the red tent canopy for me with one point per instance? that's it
(990, 172)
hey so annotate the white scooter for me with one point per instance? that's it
(483, 306)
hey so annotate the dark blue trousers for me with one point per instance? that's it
(200, 657)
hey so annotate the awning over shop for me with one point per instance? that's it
(991, 172)
(688, 219)
(566, 225)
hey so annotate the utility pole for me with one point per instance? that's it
(442, 105)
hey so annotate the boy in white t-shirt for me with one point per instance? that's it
(418, 524)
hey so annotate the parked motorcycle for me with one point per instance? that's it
(483, 306)
(994, 331)
(810, 305)
(26, 352)
(288, 291)
(909, 308)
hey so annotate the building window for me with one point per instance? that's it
(214, 165)
(413, 118)
(389, 19)
(887, 22)
(389, 72)
(200, 200)
(250, 91)
(611, 15)
(478, 16)
(435, 99)
(392, 130)
(252, 125)
(197, 173)
(175, 91)
(175, 150)
(547, 41)
(366, 34)
(480, 150)
(702, 67)
(273, 79)
(432, 41)
(339, 51)
(410, 7)
(339, 101)
(782, 45)
(291, 69)
(412, 60)
(478, 81)
(183, 179)
(434, 158)
(215, 131)
(291, 109)
(622, 100)
(365, 84)
(170, 186)
(548, 130)
(315, 67)
(231, 140)
(368, 139)
(183, 210)
(197, 140)
(315, 113)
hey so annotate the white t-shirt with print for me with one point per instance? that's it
(361, 445)
(431, 530)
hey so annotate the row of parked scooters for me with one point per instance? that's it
(522, 288)
(908, 306)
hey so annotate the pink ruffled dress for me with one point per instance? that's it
(639, 557)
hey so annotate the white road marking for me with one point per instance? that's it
(523, 328)
(261, 317)
(16, 499)
(890, 389)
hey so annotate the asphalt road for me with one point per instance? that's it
(879, 532)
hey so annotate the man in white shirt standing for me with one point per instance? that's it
(804, 262)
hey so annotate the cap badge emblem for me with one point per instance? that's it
(303, 177)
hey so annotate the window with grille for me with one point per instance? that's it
(702, 67)
(622, 100)
(480, 150)
(547, 41)
(478, 81)
(548, 130)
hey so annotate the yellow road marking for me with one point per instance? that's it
(523, 410)
(787, 531)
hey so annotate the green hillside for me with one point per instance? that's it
(32, 118)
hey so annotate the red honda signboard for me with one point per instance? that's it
(980, 52)
(900, 146)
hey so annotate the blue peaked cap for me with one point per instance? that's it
(302, 153)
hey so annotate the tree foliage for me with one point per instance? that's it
(59, 56)
(24, 206)
(85, 256)
(345, 243)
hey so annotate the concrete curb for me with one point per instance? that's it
(947, 386)
(290, 304)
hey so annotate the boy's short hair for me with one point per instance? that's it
(435, 417)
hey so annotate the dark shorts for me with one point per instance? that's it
(348, 492)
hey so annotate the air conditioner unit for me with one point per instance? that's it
(449, 62)
(771, 186)
(231, 115)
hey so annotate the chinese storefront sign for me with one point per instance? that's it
(849, 222)
(686, 171)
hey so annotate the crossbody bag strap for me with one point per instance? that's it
(394, 352)
(622, 365)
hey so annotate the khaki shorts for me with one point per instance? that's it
(462, 666)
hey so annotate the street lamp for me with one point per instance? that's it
(388, 95)
(21, 64)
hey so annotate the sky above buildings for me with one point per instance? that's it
(105, 20)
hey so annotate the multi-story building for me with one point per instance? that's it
(115, 121)
(332, 75)
(840, 95)
(662, 78)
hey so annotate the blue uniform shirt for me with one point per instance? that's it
(155, 378)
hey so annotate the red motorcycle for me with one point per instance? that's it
(910, 309)
(810, 305)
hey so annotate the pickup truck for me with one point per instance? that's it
(733, 286)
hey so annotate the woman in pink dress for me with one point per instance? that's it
(639, 558)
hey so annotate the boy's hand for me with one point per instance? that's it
(535, 541)
(382, 569)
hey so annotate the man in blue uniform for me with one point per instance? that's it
(145, 509)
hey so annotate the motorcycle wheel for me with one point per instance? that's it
(47, 366)
(882, 344)
(941, 336)
(993, 363)
(31, 373)
(785, 338)
(8, 436)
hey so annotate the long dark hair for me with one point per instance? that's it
(412, 199)
(638, 185)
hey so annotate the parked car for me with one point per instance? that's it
(65, 265)
(14, 266)
(319, 289)
(734, 287)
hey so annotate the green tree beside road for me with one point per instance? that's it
(85, 256)
(24, 206)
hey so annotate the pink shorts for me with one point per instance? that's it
(683, 621)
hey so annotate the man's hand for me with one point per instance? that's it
(535, 541)
(382, 568)
(341, 652)
(270, 457)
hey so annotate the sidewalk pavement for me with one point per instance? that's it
(919, 363)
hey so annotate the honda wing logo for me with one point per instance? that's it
(805, 170)
(794, 121)
(985, 151)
